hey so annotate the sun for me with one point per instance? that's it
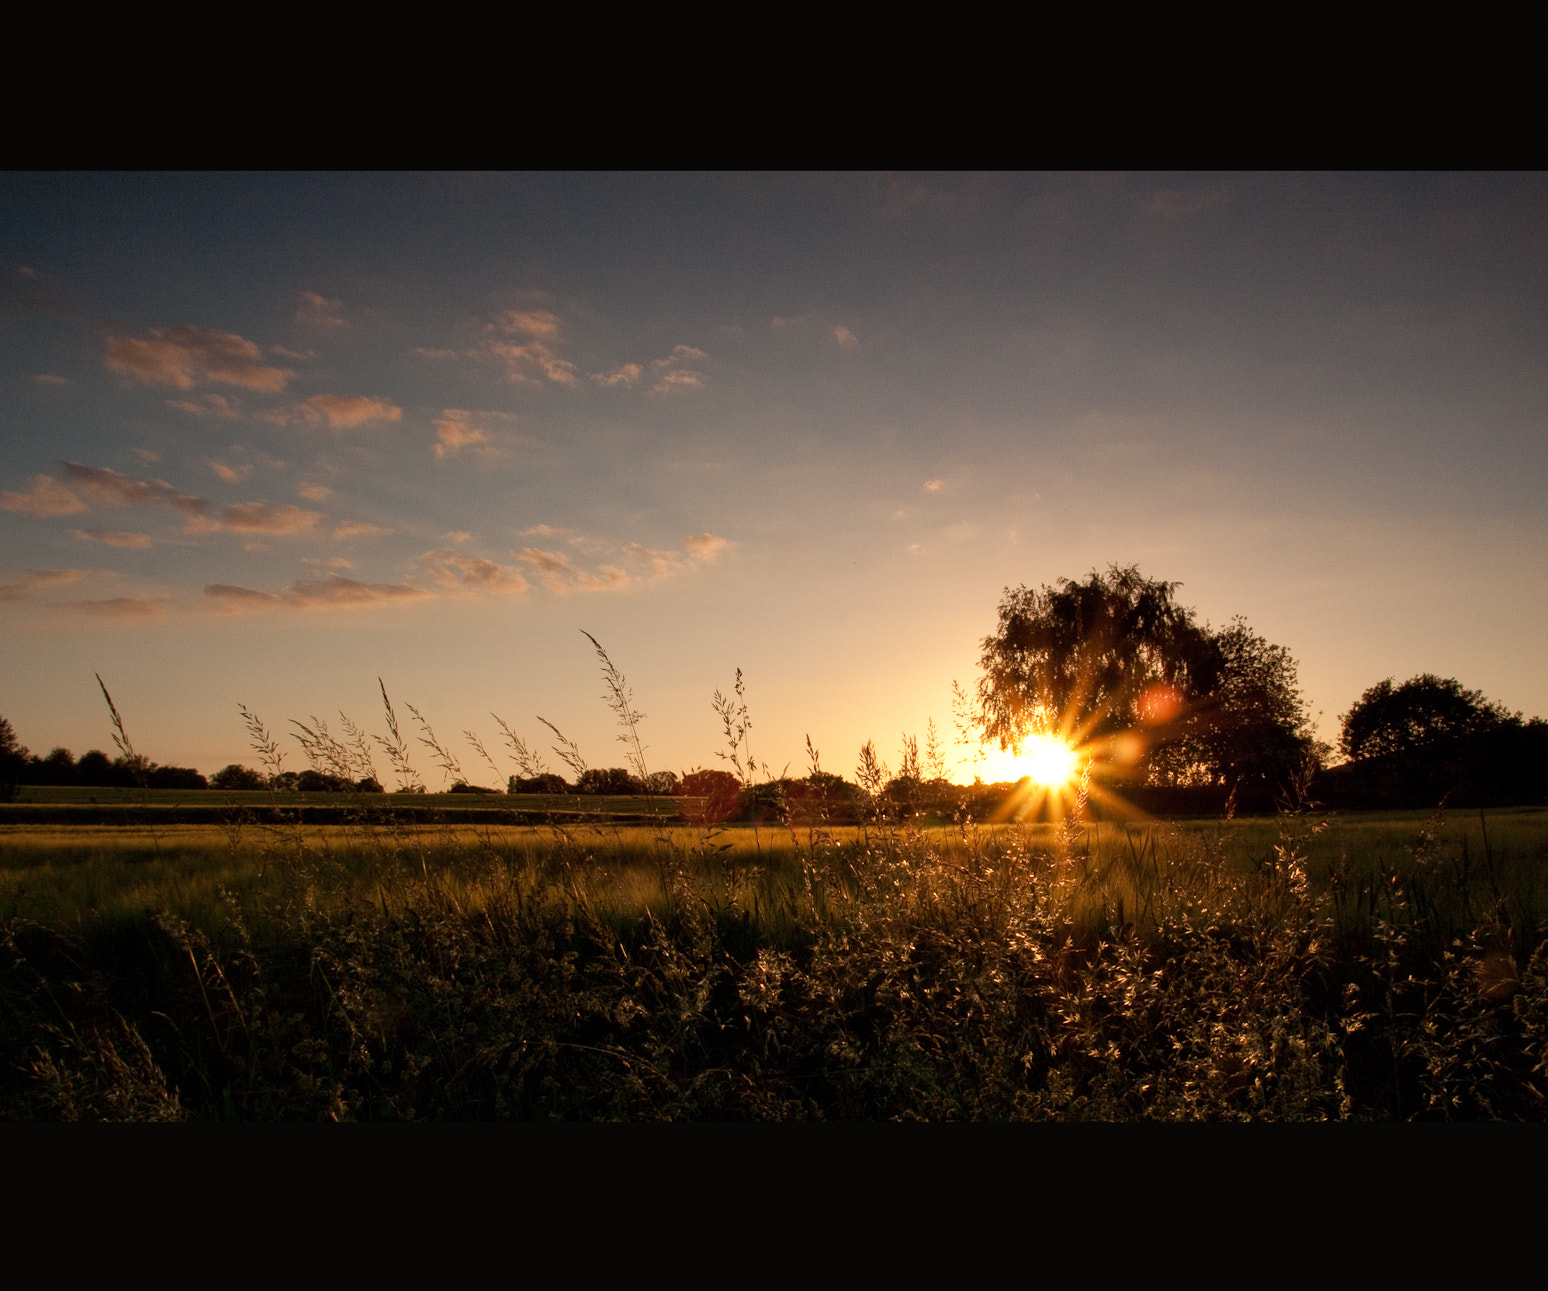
(1049, 760)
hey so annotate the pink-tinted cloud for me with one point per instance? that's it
(337, 412)
(231, 474)
(36, 580)
(627, 375)
(208, 405)
(337, 590)
(319, 311)
(358, 529)
(240, 598)
(846, 339)
(188, 356)
(678, 379)
(48, 497)
(530, 360)
(314, 492)
(456, 570)
(313, 594)
(704, 546)
(113, 538)
(107, 486)
(261, 517)
(49, 379)
(561, 575)
(125, 607)
(459, 428)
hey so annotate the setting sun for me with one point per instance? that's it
(1049, 760)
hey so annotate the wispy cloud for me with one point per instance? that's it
(113, 538)
(36, 580)
(238, 598)
(105, 485)
(208, 404)
(337, 590)
(313, 593)
(561, 575)
(261, 517)
(336, 412)
(48, 497)
(314, 492)
(126, 607)
(627, 375)
(455, 570)
(358, 529)
(185, 357)
(671, 375)
(231, 474)
(319, 311)
(704, 546)
(460, 428)
(846, 339)
(49, 379)
(531, 359)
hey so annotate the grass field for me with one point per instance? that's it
(1385, 966)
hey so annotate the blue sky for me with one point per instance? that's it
(269, 438)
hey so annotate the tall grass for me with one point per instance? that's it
(1299, 968)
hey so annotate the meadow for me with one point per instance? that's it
(1308, 966)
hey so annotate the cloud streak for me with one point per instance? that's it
(186, 357)
(47, 497)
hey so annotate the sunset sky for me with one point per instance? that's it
(269, 438)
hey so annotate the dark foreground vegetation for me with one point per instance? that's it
(1390, 969)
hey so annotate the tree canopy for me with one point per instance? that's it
(1117, 654)
(1424, 712)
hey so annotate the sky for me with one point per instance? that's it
(273, 439)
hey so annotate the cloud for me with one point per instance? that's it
(453, 569)
(35, 580)
(427, 352)
(530, 322)
(319, 311)
(934, 486)
(545, 531)
(459, 428)
(627, 375)
(312, 593)
(260, 517)
(358, 529)
(107, 486)
(701, 547)
(704, 546)
(113, 538)
(239, 598)
(231, 474)
(337, 590)
(188, 356)
(208, 405)
(49, 379)
(678, 379)
(559, 574)
(457, 535)
(337, 412)
(126, 607)
(314, 492)
(532, 360)
(48, 498)
(846, 339)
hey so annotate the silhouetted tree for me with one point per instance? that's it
(720, 792)
(1117, 654)
(547, 782)
(607, 780)
(1424, 712)
(94, 769)
(1087, 654)
(235, 776)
